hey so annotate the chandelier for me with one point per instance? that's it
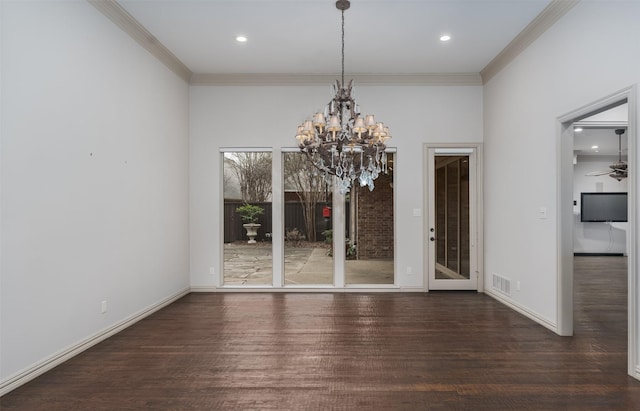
(347, 145)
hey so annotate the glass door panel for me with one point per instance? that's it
(248, 251)
(369, 229)
(452, 217)
(308, 234)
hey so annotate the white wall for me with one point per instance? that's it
(592, 52)
(254, 116)
(609, 238)
(94, 180)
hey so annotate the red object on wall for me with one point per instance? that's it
(326, 212)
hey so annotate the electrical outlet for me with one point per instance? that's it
(543, 213)
(103, 306)
(212, 271)
(409, 271)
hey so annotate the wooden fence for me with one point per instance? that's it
(293, 218)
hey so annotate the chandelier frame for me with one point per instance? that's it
(348, 146)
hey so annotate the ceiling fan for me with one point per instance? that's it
(618, 169)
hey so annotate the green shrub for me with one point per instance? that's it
(250, 213)
(328, 236)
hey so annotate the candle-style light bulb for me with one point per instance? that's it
(370, 122)
(319, 121)
(359, 127)
(300, 136)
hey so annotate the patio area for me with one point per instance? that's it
(306, 264)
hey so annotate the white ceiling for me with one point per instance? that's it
(303, 36)
(599, 130)
(604, 138)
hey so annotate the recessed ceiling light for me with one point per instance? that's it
(577, 129)
(594, 147)
(445, 37)
(241, 39)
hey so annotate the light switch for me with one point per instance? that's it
(417, 212)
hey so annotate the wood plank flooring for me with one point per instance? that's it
(436, 351)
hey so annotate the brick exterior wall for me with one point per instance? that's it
(375, 220)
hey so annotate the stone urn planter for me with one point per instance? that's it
(252, 231)
(249, 214)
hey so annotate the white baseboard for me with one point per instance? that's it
(203, 289)
(14, 381)
(305, 289)
(523, 310)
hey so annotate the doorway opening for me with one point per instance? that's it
(592, 174)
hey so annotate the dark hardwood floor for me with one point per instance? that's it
(436, 351)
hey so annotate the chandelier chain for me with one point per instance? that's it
(343, 48)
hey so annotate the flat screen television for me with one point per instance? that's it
(603, 207)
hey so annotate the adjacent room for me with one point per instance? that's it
(319, 204)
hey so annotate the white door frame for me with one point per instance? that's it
(476, 218)
(565, 218)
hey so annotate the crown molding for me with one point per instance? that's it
(118, 15)
(283, 79)
(547, 18)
